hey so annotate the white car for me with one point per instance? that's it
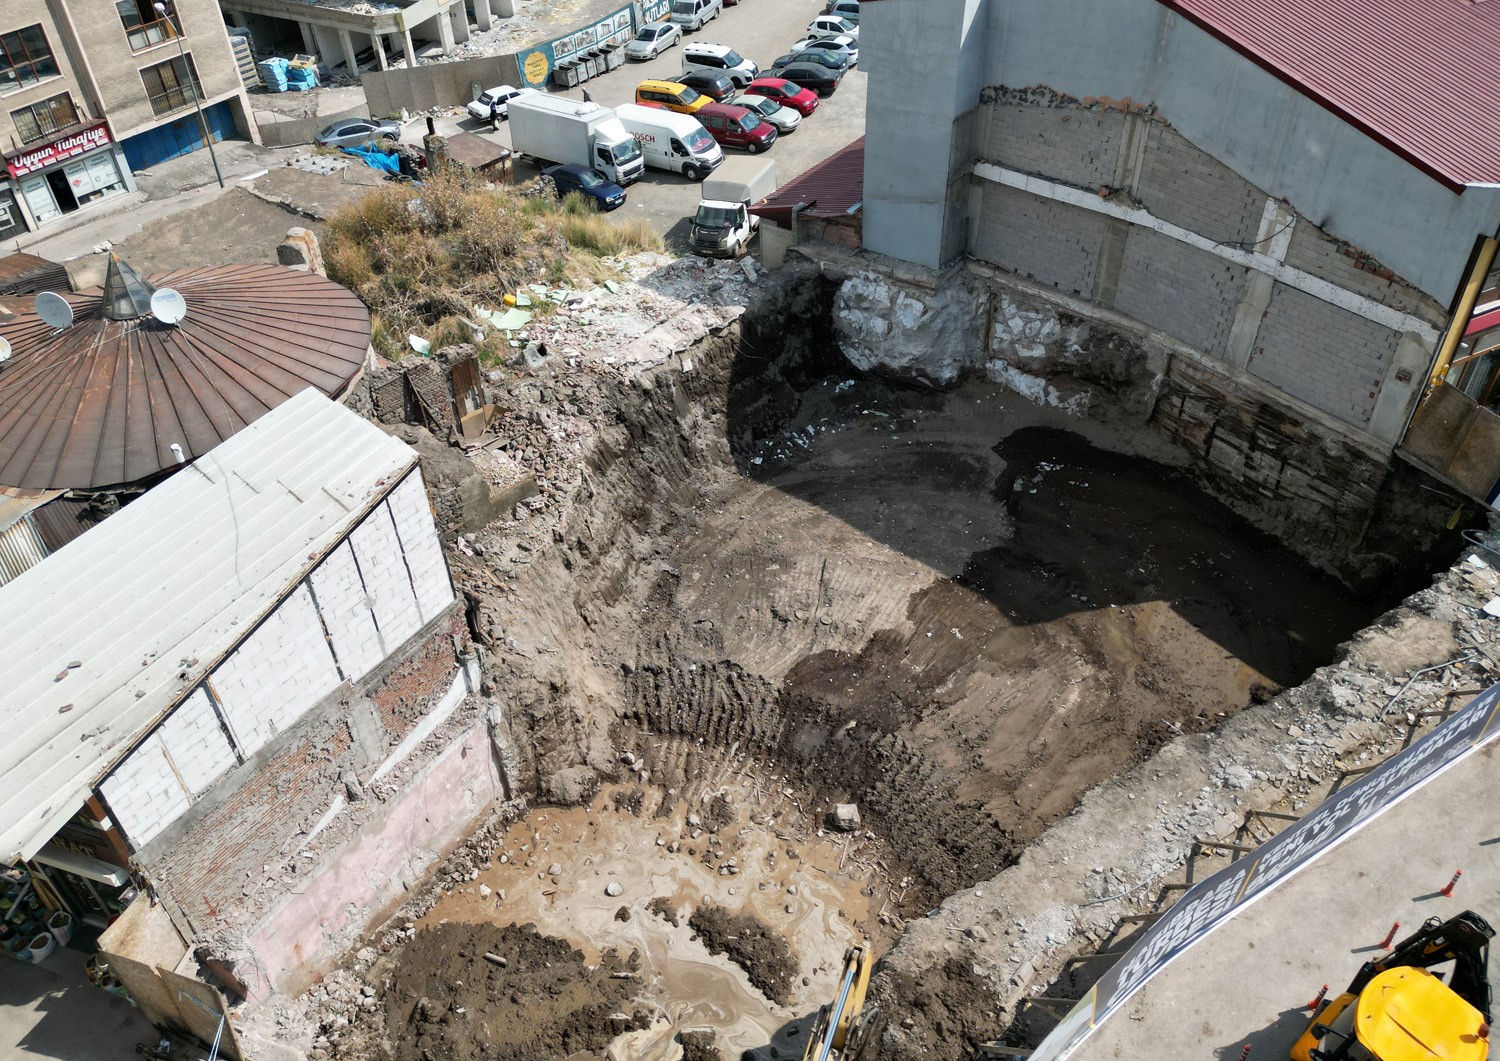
(843, 44)
(652, 40)
(479, 109)
(785, 119)
(828, 25)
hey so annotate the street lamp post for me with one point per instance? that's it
(187, 70)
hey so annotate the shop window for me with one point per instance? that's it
(45, 118)
(168, 87)
(144, 27)
(25, 58)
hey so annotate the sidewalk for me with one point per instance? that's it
(1249, 981)
(51, 1011)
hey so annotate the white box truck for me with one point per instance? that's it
(723, 226)
(557, 129)
(671, 141)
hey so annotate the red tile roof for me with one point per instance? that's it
(831, 187)
(1421, 77)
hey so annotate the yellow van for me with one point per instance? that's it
(671, 95)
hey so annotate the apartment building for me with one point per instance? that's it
(92, 91)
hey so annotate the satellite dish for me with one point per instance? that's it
(4, 350)
(168, 306)
(54, 310)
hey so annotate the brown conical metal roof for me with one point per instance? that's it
(101, 402)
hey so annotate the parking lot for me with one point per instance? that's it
(758, 29)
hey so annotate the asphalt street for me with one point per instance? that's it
(758, 29)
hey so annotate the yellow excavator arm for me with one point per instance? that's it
(843, 1028)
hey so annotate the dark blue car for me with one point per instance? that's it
(572, 177)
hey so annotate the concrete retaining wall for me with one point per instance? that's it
(388, 92)
(293, 131)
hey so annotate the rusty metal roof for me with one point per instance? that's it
(101, 402)
(832, 188)
(1422, 77)
(26, 273)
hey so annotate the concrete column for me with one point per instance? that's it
(460, 16)
(309, 38)
(407, 50)
(346, 42)
(483, 16)
(504, 8)
(237, 19)
(445, 32)
(379, 42)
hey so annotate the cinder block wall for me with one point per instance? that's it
(358, 608)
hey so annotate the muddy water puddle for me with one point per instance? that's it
(556, 868)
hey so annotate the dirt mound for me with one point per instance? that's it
(447, 1002)
(766, 958)
(699, 1046)
(952, 1006)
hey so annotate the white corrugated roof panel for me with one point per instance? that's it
(103, 637)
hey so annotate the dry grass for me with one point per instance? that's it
(422, 256)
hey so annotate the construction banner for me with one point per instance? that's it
(1215, 899)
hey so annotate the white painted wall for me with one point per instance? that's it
(371, 593)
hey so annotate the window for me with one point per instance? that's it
(25, 58)
(45, 118)
(144, 28)
(168, 87)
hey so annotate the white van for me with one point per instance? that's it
(720, 59)
(694, 14)
(670, 141)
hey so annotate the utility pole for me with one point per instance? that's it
(192, 80)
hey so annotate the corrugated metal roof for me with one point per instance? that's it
(108, 633)
(22, 274)
(1420, 76)
(17, 503)
(100, 402)
(832, 187)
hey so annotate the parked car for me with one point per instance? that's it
(840, 44)
(652, 40)
(803, 101)
(717, 87)
(350, 132)
(833, 60)
(607, 195)
(734, 126)
(845, 9)
(785, 119)
(828, 25)
(479, 109)
(718, 59)
(694, 14)
(672, 95)
(814, 76)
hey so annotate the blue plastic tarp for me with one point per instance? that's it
(375, 158)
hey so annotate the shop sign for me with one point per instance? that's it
(58, 151)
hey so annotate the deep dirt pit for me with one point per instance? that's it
(954, 610)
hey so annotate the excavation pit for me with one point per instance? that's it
(787, 588)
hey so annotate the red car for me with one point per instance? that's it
(734, 126)
(803, 100)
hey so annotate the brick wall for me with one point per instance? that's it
(1329, 358)
(1179, 289)
(1337, 262)
(212, 859)
(367, 598)
(1048, 242)
(1189, 187)
(1075, 146)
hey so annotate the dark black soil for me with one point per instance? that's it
(765, 957)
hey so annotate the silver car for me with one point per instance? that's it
(841, 44)
(652, 40)
(785, 119)
(350, 132)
